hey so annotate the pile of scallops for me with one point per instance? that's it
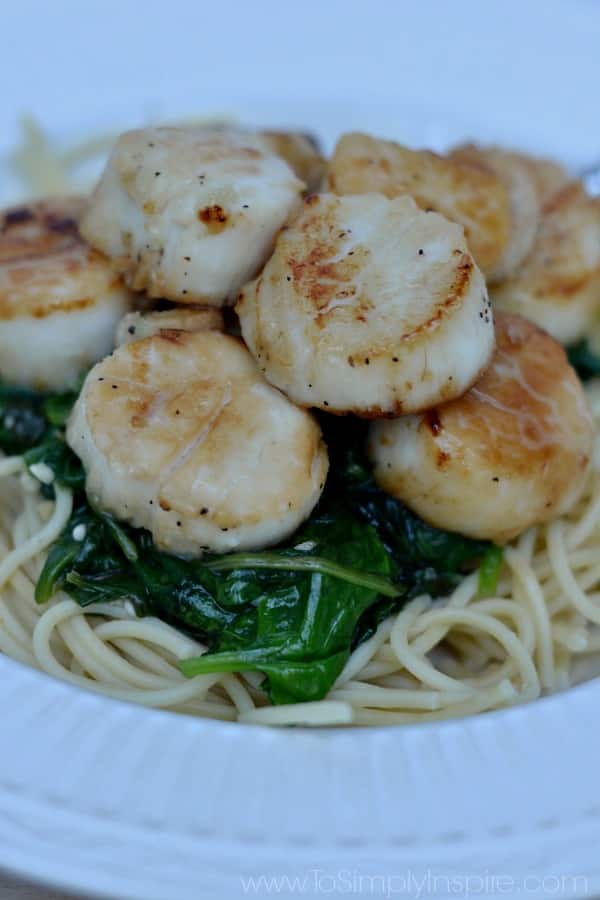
(223, 284)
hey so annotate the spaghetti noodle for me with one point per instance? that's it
(436, 659)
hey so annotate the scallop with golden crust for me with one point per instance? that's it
(525, 202)
(558, 285)
(513, 452)
(472, 196)
(180, 434)
(60, 301)
(190, 214)
(369, 305)
(547, 176)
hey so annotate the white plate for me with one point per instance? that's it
(125, 802)
(129, 802)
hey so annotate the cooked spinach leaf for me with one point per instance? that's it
(427, 559)
(304, 629)
(583, 359)
(33, 424)
(22, 419)
(54, 452)
(84, 543)
(294, 612)
(57, 407)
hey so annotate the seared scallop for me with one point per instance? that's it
(137, 325)
(548, 176)
(370, 306)
(512, 452)
(190, 214)
(525, 205)
(301, 152)
(558, 285)
(180, 434)
(473, 196)
(60, 301)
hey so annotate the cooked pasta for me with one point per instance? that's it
(436, 659)
(469, 651)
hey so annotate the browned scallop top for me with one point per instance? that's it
(564, 265)
(567, 252)
(471, 195)
(527, 410)
(319, 273)
(345, 280)
(181, 409)
(150, 161)
(45, 265)
(170, 386)
(36, 229)
(548, 177)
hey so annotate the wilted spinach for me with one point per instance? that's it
(294, 612)
(33, 424)
(22, 419)
(97, 545)
(305, 623)
(427, 559)
(54, 452)
(291, 613)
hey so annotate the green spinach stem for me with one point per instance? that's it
(305, 564)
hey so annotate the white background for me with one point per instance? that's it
(497, 67)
